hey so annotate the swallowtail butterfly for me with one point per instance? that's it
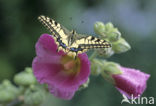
(69, 41)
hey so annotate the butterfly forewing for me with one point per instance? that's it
(64, 40)
(89, 42)
(59, 32)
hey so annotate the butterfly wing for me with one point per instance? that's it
(61, 36)
(89, 42)
(59, 32)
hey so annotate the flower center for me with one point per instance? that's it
(70, 66)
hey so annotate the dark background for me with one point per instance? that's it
(135, 19)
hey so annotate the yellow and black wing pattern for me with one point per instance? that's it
(63, 39)
(90, 42)
(59, 32)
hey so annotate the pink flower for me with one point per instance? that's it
(62, 73)
(131, 82)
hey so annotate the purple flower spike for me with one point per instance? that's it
(62, 73)
(131, 82)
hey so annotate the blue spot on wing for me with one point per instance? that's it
(61, 43)
(75, 49)
(80, 49)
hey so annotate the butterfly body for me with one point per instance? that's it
(69, 41)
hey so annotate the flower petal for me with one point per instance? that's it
(132, 81)
(58, 92)
(48, 69)
(46, 46)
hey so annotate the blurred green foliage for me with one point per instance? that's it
(135, 19)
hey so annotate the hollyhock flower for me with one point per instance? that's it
(131, 82)
(62, 73)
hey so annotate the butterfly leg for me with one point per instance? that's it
(57, 50)
(75, 57)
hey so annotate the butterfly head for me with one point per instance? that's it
(73, 32)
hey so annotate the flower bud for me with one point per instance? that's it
(34, 96)
(107, 31)
(25, 78)
(6, 96)
(28, 70)
(99, 29)
(109, 26)
(109, 69)
(10, 87)
(106, 53)
(113, 33)
(8, 92)
(120, 46)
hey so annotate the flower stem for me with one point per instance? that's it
(93, 55)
